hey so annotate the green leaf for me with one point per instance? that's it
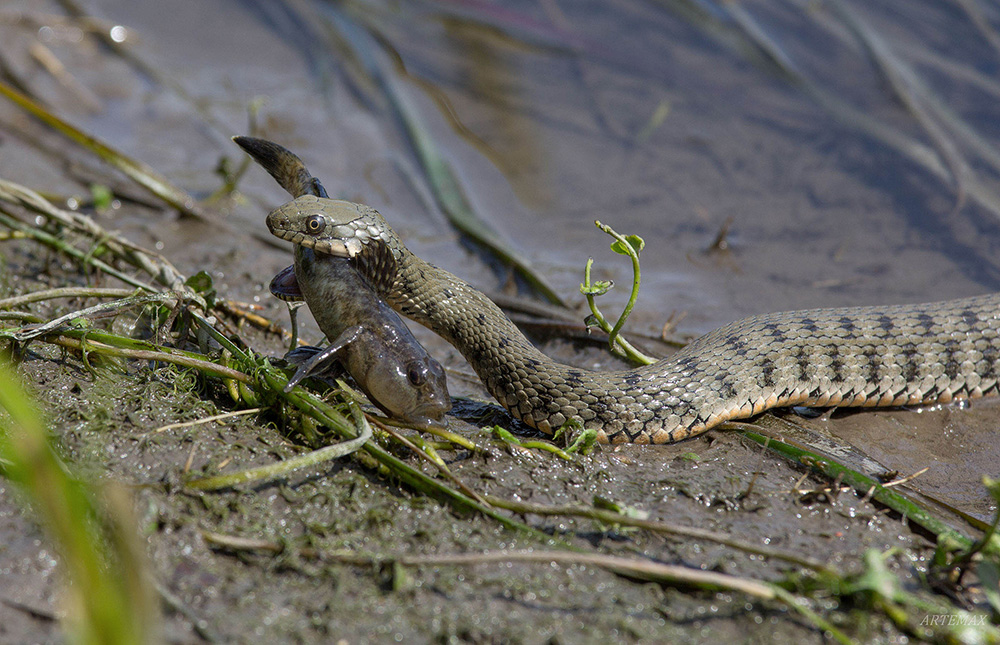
(201, 282)
(636, 242)
(606, 504)
(505, 435)
(627, 511)
(102, 196)
(598, 288)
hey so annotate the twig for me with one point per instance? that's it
(613, 518)
(66, 292)
(217, 417)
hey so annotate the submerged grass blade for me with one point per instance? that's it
(139, 172)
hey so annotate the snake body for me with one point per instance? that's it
(854, 356)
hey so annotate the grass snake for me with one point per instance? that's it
(851, 356)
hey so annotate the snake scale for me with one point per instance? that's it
(854, 356)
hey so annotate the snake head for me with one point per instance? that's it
(343, 229)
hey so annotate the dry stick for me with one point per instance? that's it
(114, 307)
(241, 310)
(66, 292)
(610, 517)
(618, 564)
(149, 355)
(217, 417)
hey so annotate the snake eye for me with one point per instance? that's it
(315, 224)
(415, 375)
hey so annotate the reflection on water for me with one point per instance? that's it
(489, 80)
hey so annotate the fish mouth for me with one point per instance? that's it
(341, 248)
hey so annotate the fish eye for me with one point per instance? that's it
(315, 224)
(415, 375)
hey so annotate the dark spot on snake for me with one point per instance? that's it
(991, 355)
(775, 332)
(802, 360)
(767, 372)
(951, 366)
(809, 324)
(926, 321)
(447, 293)
(873, 364)
(909, 366)
(970, 318)
(836, 363)
(632, 379)
(727, 390)
(481, 318)
(687, 362)
(737, 344)
(886, 323)
(846, 322)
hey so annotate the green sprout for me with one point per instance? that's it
(629, 245)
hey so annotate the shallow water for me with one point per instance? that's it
(552, 114)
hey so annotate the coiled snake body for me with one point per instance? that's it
(855, 356)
